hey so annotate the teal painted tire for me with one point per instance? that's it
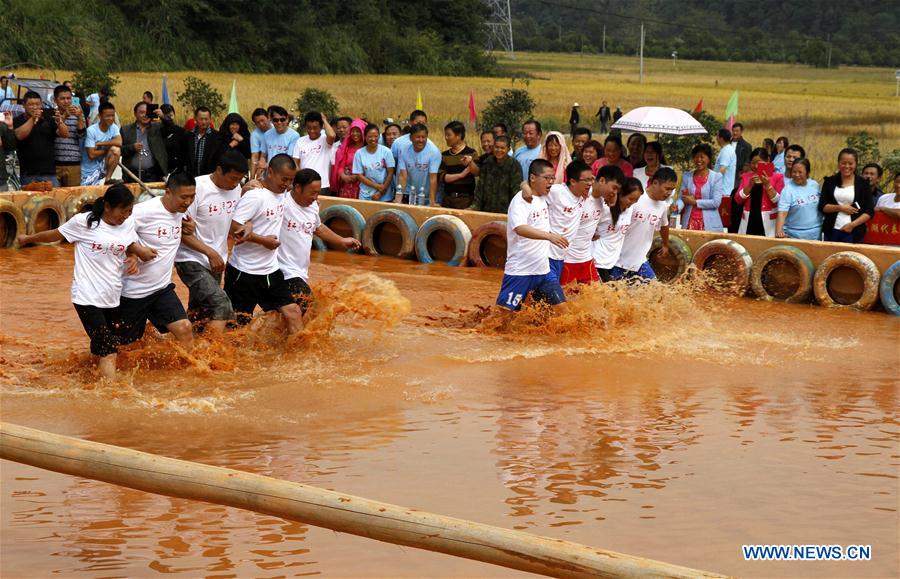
(344, 220)
(888, 289)
(434, 239)
(390, 232)
(783, 273)
(318, 244)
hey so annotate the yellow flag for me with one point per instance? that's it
(418, 100)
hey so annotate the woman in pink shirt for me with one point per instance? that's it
(613, 154)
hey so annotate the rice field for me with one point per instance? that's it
(816, 108)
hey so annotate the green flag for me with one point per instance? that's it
(731, 109)
(233, 105)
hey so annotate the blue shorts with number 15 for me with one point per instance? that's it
(515, 288)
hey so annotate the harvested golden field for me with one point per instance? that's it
(816, 108)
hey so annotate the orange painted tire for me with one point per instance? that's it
(42, 213)
(488, 245)
(827, 290)
(12, 223)
(390, 232)
(76, 202)
(783, 273)
(727, 265)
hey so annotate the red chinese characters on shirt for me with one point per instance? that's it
(305, 227)
(276, 212)
(537, 215)
(221, 208)
(163, 232)
(115, 249)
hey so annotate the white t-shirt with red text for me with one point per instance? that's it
(316, 155)
(297, 230)
(565, 214)
(525, 256)
(99, 259)
(580, 248)
(647, 217)
(159, 228)
(608, 246)
(211, 213)
(264, 210)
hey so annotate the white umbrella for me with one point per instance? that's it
(665, 120)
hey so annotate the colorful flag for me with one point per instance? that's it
(233, 105)
(165, 92)
(472, 114)
(419, 105)
(699, 107)
(731, 109)
(730, 123)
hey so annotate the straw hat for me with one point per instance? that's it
(575, 105)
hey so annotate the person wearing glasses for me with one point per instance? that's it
(528, 242)
(280, 139)
(578, 266)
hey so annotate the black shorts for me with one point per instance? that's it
(301, 291)
(604, 274)
(98, 324)
(247, 290)
(160, 308)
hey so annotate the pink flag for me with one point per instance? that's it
(472, 115)
(730, 123)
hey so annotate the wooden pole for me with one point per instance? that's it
(322, 508)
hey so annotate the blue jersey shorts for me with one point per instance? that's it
(643, 274)
(515, 288)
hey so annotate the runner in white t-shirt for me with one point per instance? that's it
(102, 236)
(890, 204)
(301, 222)
(578, 263)
(313, 150)
(613, 226)
(201, 258)
(150, 294)
(252, 276)
(528, 242)
(649, 215)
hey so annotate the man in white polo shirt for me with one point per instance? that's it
(252, 276)
(313, 150)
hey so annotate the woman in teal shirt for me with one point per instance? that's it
(798, 208)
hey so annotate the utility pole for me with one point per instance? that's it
(500, 26)
(829, 52)
(642, 52)
(604, 39)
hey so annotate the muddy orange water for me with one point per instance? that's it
(658, 422)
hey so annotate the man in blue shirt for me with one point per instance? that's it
(403, 142)
(258, 142)
(726, 161)
(418, 166)
(280, 139)
(102, 147)
(532, 135)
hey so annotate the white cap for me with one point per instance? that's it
(575, 105)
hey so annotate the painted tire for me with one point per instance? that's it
(679, 250)
(153, 194)
(353, 222)
(888, 289)
(728, 261)
(42, 213)
(456, 228)
(485, 246)
(12, 223)
(318, 244)
(803, 273)
(390, 232)
(862, 265)
(75, 203)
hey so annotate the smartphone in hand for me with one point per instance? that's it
(767, 169)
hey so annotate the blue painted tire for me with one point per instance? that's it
(886, 289)
(390, 232)
(349, 216)
(318, 244)
(454, 226)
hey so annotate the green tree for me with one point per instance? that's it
(92, 78)
(677, 149)
(866, 147)
(199, 93)
(512, 107)
(891, 169)
(314, 99)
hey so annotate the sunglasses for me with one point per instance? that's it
(279, 119)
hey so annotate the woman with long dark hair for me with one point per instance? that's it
(105, 241)
(758, 193)
(614, 154)
(846, 201)
(235, 134)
